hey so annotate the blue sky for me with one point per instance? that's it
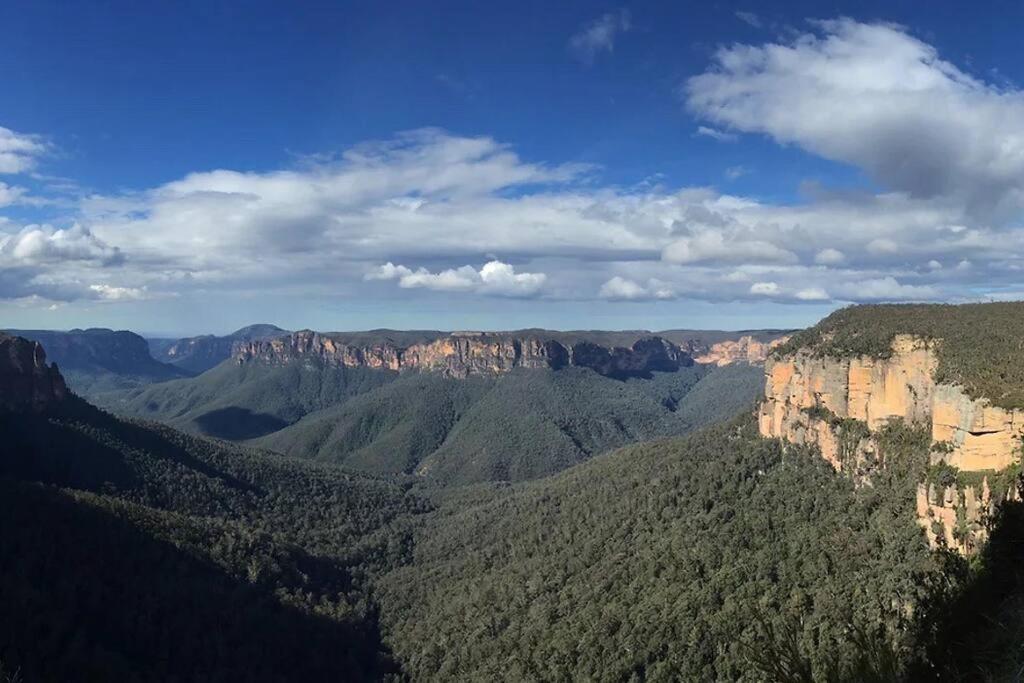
(200, 166)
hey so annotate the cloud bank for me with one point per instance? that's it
(432, 213)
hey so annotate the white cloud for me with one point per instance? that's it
(886, 289)
(874, 96)
(716, 134)
(623, 289)
(714, 246)
(813, 294)
(599, 35)
(18, 151)
(494, 278)
(735, 172)
(764, 288)
(829, 257)
(36, 244)
(10, 194)
(113, 293)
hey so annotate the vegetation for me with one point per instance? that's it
(521, 426)
(166, 556)
(246, 401)
(978, 345)
(648, 564)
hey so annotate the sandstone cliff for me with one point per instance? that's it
(27, 383)
(199, 354)
(468, 353)
(836, 404)
(746, 349)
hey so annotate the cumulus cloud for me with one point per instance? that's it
(599, 35)
(18, 151)
(623, 289)
(36, 244)
(876, 97)
(494, 278)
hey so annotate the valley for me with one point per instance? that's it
(526, 506)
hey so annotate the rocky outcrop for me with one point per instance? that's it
(467, 354)
(836, 404)
(27, 383)
(199, 354)
(746, 349)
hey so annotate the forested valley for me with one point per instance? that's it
(134, 551)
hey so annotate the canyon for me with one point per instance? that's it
(837, 404)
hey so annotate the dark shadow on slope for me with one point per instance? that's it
(88, 595)
(236, 424)
(978, 635)
(79, 446)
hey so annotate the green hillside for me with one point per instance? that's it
(524, 425)
(165, 556)
(677, 560)
(386, 430)
(245, 401)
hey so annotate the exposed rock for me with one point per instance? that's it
(811, 399)
(27, 383)
(466, 354)
(746, 349)
(199, 354)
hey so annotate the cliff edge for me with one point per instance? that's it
(838, 402)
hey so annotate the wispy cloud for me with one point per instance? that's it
(716, 134)
(599, 35)
(749, 18)
(19, 152)
(736, 172)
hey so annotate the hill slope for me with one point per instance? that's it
(522, 425)
(654, 562)
(159, 544)
(245, 401)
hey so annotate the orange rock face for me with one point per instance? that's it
(467, 354)
(807, 397)
(746, 349)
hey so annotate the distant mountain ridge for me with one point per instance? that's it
(199, 354)
(100, 359)
(465, 354)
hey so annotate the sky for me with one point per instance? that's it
(192, 167)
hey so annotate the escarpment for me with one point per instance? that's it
(839, 403)
(746, 349)
(27, 383)
(468, 354)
